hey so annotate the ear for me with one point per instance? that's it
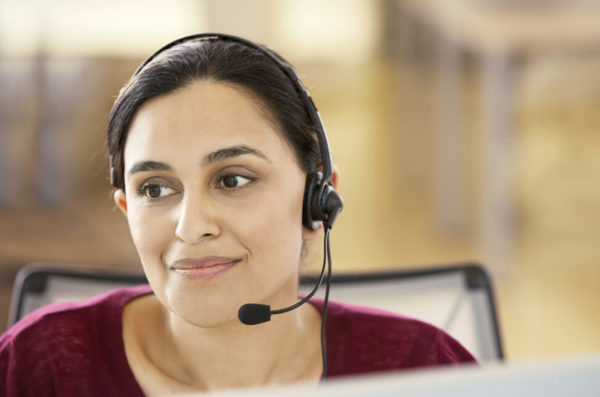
(120, 200)
(335, 176)
(307, 234)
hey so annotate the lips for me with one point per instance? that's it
(205, 268)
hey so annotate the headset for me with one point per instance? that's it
(321, 203)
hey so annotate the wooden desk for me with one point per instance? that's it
(500, 34)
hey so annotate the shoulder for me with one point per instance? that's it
(64, 317)
(363, 339)
(63, 338)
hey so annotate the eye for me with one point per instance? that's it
(232, 181)
(155, 191)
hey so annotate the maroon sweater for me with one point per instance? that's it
(76, 349)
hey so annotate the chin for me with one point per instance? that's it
(205, 309)
(208, 318)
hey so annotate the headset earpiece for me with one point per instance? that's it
(311, 191)
(321, 203)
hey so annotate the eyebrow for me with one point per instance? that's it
(142, 166)
(218, 155)
(231, 151)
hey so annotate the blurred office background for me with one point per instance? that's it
(463, 130)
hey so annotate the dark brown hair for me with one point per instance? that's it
(220, 60)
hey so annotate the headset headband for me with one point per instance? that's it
(286, 68)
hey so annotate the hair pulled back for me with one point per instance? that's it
(220, 60)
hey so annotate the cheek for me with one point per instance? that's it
(148, 231)
(274, 224)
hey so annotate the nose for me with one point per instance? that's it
(196, 221)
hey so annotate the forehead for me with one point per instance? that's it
(199, 118)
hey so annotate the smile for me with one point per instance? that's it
(205, 268)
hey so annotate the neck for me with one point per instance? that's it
(236, 355)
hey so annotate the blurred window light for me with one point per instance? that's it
(129, 28)
(332, 30)
(19, 29)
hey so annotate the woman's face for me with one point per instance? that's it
(214, 203)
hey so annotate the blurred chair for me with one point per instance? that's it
(40, 284)
(457, 299)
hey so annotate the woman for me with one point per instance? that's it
(213, 147)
